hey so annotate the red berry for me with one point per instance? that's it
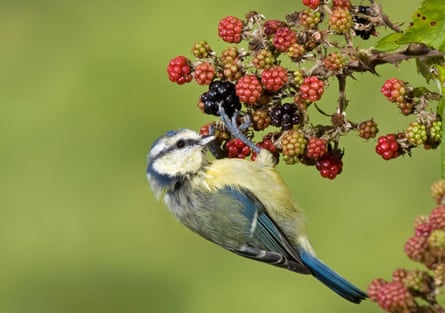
(313, 4)
(236, 148)
(274, 78)
(230, 29)
(394, 89)
(316, 148)
(341, 3)
(330, 165)
(268, 145)
(179, 70)
(204, 73)
(284, 38)
(437, 218)
(248, 89)
(312, 88)
(271, 26)
(387, 146)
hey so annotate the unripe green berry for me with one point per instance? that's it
(438, 191)
(298, 77)
(436, 242)
(416, 133)
(439, 274)
(264, 59)
(436, 131)
(418, 280)
(201, 49)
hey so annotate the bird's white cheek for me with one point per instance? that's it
(176, 164)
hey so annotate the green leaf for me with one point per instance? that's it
(389, 42)
(427, 26)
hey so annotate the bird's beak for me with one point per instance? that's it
(205, 140)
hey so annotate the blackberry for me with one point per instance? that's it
(221, 91)
(285, 116)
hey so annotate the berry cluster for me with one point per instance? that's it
(276, 71)
(416, 290)
(425, 131)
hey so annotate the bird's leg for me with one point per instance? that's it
(215, 146)
(236, 131)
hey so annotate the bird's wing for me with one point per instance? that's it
(266, 242)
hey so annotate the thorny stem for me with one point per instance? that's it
(342, 103)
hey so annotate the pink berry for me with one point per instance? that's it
(437, 218)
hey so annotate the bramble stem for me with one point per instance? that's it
(440, 111)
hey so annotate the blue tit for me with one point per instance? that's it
(244, 206)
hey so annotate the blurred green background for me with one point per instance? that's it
(84, 93)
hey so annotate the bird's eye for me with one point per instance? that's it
(180, 144)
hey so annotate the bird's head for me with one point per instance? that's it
(175, 156)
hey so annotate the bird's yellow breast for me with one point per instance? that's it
(264, 182)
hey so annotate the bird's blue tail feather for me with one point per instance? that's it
(331, 279)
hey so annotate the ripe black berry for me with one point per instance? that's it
(285, 116)
(221, 91)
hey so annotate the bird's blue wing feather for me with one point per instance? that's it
(266, 242)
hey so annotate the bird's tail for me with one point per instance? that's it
(331, 279)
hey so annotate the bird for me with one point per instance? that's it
(241, 205)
